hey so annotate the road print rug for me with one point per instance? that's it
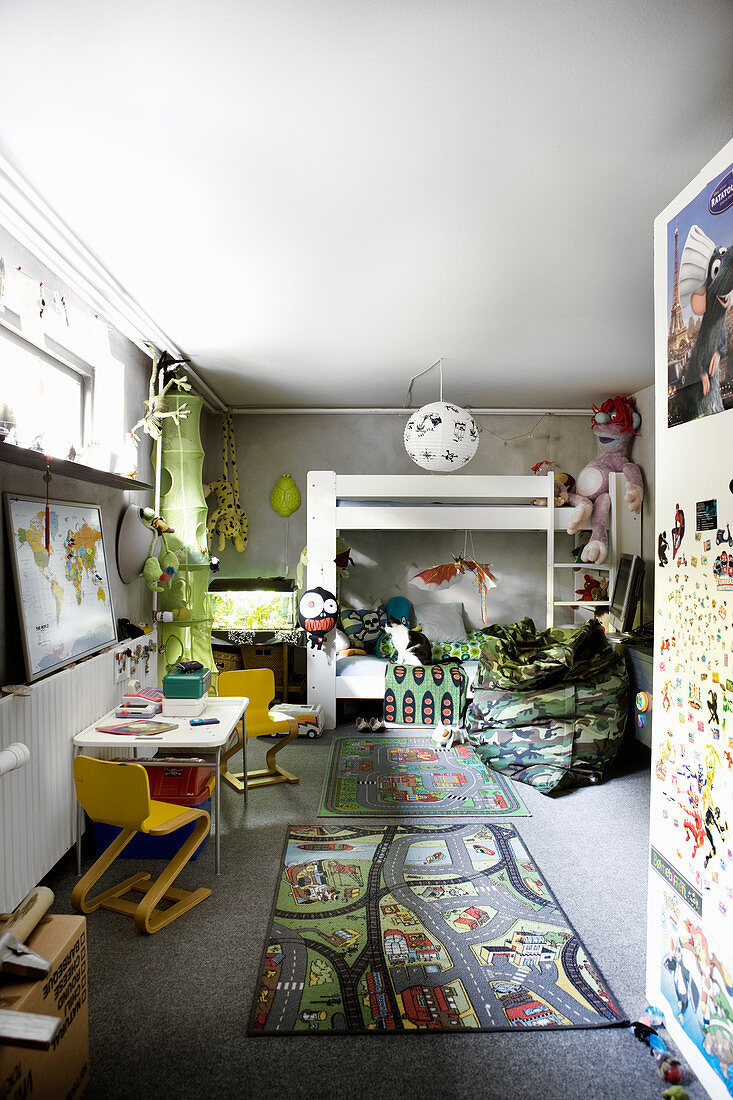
(421, 928)
(411, 776)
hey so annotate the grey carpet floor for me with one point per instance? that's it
(168, 1012)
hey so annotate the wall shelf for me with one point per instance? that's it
(61, 467)
(580, 565)
(582, 603)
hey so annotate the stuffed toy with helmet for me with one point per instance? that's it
(615, 424)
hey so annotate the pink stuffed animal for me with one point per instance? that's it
(615, 425)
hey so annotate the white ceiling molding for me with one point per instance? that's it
(402, 411)
(38, 228)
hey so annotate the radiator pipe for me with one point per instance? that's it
(14, 756)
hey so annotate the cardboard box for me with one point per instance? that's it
(62, 1071)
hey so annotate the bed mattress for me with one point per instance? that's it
(363, 677)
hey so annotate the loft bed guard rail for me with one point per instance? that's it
(395, 502)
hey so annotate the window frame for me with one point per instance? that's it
(65, 361)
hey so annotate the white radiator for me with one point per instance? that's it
(37, 802)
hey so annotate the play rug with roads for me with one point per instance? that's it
(438, 927)
(411, 776)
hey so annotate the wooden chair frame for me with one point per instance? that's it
(260, 777)
(148, 917)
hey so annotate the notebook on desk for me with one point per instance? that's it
(139, 728)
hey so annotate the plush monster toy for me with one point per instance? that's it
(317, 614)
(615, 424)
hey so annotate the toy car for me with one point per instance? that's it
(313, 727)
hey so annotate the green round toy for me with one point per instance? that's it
(285, 497)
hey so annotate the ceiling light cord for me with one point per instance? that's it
(438, 362)
(510, 438)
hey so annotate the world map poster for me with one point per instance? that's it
(62, 587)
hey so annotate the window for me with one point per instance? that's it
(41, 400)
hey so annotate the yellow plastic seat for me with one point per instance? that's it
(257, 685)
(119, 794)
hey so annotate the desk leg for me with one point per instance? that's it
(79, 822)
(217, 810)
(244, 759)
(79, 812)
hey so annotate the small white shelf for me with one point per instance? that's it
(582, 603)
(581, 565)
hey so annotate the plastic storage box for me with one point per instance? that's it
(187, 685)
(184, 784)
(184, 708)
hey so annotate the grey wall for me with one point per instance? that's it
(129, 601)
(268, 446)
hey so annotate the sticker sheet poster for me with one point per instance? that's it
(63, 593)
(700, 304)
(692, 793)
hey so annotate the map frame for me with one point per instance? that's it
(20, 580)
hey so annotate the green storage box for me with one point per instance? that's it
(187, 685)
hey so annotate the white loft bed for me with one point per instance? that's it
(422, 502)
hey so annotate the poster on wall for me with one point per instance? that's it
(690, 912)
(700, 304)
(61, 582)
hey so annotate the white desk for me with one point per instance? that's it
(206, 740)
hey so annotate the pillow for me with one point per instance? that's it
(467, 650)
(441, 622)
(363, 627)
(399, 608)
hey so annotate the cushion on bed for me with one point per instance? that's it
(467, 650)
(363, 626)
(400, 608)
(441, 622)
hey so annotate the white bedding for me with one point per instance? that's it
(363, 677)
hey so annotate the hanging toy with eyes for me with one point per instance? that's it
(614, 425)
(317, 615)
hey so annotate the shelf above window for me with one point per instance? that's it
(61, 467)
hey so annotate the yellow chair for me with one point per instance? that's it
(119, 794)
(257, 685)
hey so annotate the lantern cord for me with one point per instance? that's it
(438, 362)
(287, 533)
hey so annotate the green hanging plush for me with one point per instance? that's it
(173, 594)
(158, 572)
(152, 573)
(285, 497)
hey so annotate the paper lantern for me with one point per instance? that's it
(285, 497)
(441, 437)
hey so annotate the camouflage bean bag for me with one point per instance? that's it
(550, 706)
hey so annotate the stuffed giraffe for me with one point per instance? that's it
(228, 521)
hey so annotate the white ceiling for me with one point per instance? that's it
(316, 199)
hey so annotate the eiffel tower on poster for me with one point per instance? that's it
(678, 340)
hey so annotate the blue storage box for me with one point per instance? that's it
(182, 785)
(144, 846)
